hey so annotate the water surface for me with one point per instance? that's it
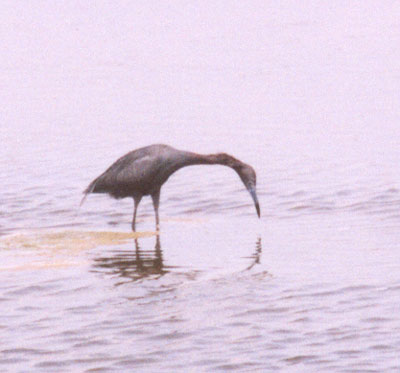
(306, 93)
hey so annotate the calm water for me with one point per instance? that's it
(305, 92)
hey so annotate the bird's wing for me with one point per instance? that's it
(139, 172)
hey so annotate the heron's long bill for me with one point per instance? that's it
(253, 194)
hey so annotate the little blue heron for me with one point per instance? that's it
(143, 171)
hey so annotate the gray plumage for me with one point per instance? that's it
(143, 171)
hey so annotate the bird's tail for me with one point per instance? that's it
(83, 199)
(88, 190)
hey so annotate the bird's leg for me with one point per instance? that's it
(136, 200)
(156, 202)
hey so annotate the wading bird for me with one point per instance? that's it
(143, 171)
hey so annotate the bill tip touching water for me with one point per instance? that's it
(143, 171)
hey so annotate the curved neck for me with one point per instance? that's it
(189, 159)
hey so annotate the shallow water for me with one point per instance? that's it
(305, 93)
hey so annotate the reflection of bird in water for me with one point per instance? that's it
(257, 255)
(143, 171)
(133, 266)
(140, 264)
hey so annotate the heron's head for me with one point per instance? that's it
(249, 178)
